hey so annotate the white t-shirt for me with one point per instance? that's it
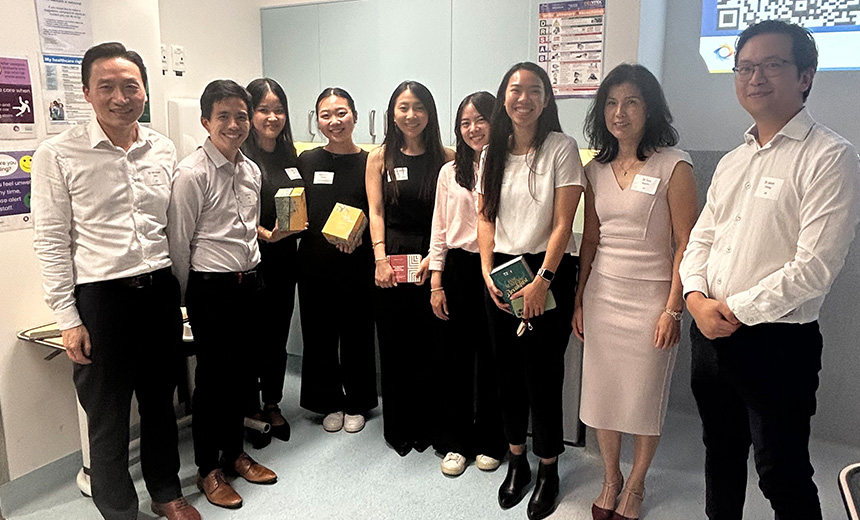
(524, 222)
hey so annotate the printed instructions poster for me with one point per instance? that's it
(65, 26)
(570, 46)
(15, 190)
(16, 99)
(62, 96)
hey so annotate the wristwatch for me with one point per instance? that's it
(546, 274)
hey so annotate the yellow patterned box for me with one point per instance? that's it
(345, 225)
(292, 209)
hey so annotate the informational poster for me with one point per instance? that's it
(570, 46)
(16, 99)
(834, 23)
(62, 96)
(65, 26)
(15, 190)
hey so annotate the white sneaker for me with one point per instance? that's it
(353, 423)
(333, 422)
(486, 463)
(453, 464)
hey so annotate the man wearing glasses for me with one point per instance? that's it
(779, 217)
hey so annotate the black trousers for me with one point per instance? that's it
(136, 335)
(406, 329)
(757, 387)
(531, 366)
(470, 416)
(222, 312)
(339, 356)
(278, 269)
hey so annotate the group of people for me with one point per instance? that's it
(124, 234)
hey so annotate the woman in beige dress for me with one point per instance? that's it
(640, 206)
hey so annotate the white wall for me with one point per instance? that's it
(37, 403)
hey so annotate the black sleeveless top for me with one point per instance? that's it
(408, 219)
(273, 167)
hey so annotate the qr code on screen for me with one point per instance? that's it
(737, 15)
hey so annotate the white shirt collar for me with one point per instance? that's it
(97, 135)
(797, 128)
(217, 157)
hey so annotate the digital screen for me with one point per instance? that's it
(834, 23)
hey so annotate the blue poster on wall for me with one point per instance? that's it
(835, 24)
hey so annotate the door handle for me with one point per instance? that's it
(372, 126)
(311, 124)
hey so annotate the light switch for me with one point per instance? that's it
(178, 52)
(164, 60)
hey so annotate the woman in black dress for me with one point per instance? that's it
(338, 363)
(401, 186)
(270, 145)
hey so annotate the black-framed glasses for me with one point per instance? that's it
(770, 68)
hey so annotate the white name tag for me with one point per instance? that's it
(323, 177)
(293, 174)
(401, 174)
(645, 184)
(154, 178)
(247, 200)
(769, 188)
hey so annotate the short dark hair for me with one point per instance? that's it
(658, 120)
(258, 90)
(803, 48)
(219, 90)
(109, 50)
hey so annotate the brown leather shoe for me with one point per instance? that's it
(178, 509)
(253, 472)
(218, 491)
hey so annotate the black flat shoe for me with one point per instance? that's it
(421, 446)
(281, 431)
(519, 476)
(545, 497)
(257, 439)
(402, 448)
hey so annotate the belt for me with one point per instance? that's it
(238, 278)
(140, 281)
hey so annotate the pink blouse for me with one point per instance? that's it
(455, 218)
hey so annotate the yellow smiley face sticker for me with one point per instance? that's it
(25, 163)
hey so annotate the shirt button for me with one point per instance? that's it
(728, 249)
(747, 185)
(719, 281)
(737, 218)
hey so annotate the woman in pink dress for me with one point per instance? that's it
(640, 206)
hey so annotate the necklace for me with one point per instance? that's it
(626, 169)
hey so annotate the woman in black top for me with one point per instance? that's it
(339, 363)
(401, 187)
(270, 145)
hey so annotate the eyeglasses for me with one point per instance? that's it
(770, 68)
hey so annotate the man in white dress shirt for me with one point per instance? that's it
(100, 194)
(779, 218)
(212, 227)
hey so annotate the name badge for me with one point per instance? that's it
(645, 184)
(769, 188)
(401, 174)
(293, 174)
(323, 177)
(154, 178)
(247, 200)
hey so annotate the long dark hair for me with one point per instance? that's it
(658, 120)
(258, 89)
(501, 130)
(431, 139)
(464, 157)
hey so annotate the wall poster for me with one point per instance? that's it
(570, 46)
(15, 190)
(16, 99)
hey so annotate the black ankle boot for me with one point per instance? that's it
(544, 498)
(519, 477)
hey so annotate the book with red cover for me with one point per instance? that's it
(405, 267)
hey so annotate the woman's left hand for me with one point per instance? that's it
(534, 297)
(346, 249)
(423, 271)
(668, 332)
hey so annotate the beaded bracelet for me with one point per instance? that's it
(674, 314)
